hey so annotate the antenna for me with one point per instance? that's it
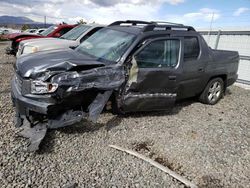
(44, 21)
(210, 28)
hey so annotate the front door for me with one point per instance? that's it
(153, 78)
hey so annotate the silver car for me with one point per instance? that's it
(70, 39)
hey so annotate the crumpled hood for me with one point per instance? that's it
(51, 62)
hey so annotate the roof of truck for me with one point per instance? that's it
(128, 29)
(137, 27)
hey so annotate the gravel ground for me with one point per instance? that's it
(209, 145)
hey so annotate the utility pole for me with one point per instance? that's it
(44, 21)
(210, 28)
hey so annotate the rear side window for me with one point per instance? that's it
(191, 48)
(160, 53)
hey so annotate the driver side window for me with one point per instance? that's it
(160, 53)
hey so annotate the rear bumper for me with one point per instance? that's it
(231, 80)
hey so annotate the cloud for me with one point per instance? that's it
(199, 18)
(107, 11)
(36, 11)
(76, 19)
(102, 3)
(204, 14)
(107, 3)
(100, 11)
(33, 2)
(175, 2)
(240, 11)
(107, 15)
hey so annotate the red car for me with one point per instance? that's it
(53, 31)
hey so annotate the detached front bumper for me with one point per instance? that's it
(25, 109)
(24, 105)
(39, 106)
(79, 96)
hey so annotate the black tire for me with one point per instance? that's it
(213, 92)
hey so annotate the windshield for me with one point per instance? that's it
(75, 33)
(107, 44)
(48, 31)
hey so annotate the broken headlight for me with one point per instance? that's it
(40, 87)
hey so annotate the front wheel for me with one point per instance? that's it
(213, 91)
(115, 109)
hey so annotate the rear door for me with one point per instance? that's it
(194, 62)
(153, 78)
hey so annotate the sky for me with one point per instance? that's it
(198, 13)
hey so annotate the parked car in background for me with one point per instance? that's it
(53, 31)
(30, 31)
(70, 39)
(38, 31)
(4, 31)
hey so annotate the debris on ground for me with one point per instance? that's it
(157, 165)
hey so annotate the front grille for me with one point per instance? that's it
(23, 85)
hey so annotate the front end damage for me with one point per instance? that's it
(79, 95)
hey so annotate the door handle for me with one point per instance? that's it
(172, 77)
(200, 69)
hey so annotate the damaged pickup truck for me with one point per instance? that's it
(136, 65)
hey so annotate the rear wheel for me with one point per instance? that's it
(213, 91)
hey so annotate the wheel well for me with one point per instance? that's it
(223, 77)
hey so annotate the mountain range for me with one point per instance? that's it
(19, 21)
(16, 20)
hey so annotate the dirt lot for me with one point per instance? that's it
(209, 145)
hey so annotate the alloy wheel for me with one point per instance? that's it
(214, 91)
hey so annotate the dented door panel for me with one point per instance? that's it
(149, 89)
